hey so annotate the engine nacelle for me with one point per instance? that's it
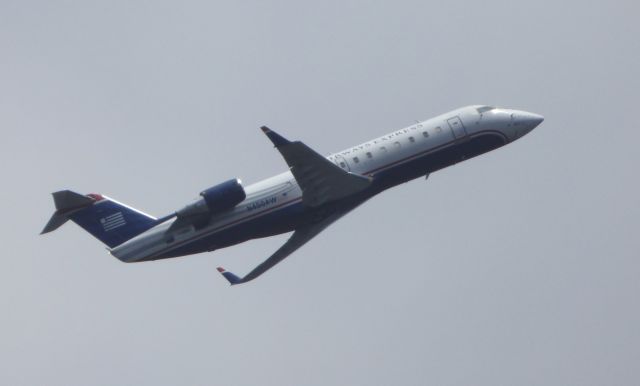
(224, 196)
(216, 199)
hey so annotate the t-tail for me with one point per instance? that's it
(109, 221)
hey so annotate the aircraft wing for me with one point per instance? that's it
(321, 180)
(299, 237)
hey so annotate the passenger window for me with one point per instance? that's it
(397, 144)
(384, 149)
(369, 155)
(412, 140)
(342, 165)
(438, 129)
(425, 134)
(356, 160)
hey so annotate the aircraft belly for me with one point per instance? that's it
(283, 220)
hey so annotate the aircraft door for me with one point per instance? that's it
(457, 128)
(342, 162)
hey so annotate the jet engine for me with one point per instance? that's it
(215, 200)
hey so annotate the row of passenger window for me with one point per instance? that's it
(397, 144)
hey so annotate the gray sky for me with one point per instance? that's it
(516, 268)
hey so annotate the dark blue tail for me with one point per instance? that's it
(107, 220)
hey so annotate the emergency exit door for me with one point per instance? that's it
(457, 128)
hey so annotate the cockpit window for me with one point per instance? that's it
(484, 109)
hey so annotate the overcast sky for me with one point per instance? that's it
(520, 267)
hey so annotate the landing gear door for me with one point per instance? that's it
(457, 128)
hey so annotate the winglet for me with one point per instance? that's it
(231, 278)
(276, 138)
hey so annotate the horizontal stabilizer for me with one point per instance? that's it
(67, 203)
(66, 200)
(56, 221)
(106, 219)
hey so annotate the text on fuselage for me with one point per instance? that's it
(261, 203)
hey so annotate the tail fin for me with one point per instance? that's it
(107, 220)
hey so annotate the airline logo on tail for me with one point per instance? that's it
(113, 221)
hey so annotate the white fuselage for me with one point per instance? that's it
(274, 205)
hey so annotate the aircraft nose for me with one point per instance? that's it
(523, 122)
(531, 120)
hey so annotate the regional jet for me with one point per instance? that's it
(306, 199)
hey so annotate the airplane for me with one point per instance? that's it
(315, 191)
